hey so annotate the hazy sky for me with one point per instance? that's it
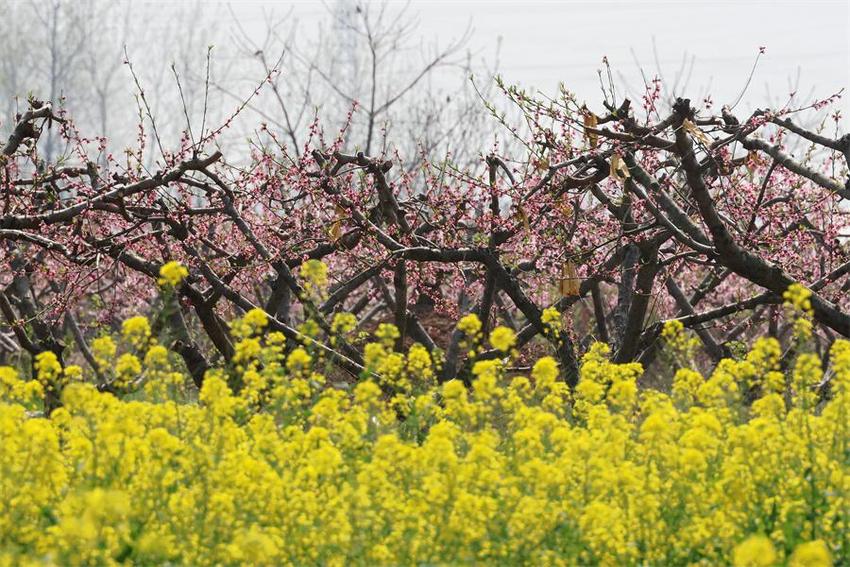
(544, 42)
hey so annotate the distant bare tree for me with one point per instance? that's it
(368, 53)
(64, 50)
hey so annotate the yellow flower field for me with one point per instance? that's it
(747, 466)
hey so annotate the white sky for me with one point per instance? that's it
(544, 42)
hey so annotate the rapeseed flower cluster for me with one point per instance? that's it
(503, 339)
(171, 274)
(314, 275)
(798, 299)
(471, 327)
(271, 464)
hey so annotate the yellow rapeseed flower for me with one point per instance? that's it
(256, 319)
(811, 554)
(387, 333)
(281, 464)
(48, 368)
(503, 339)
(470, 325)
(343, 322)
(127, 367)
(798, 297)
(298, 360)
(314, 273)
(755, 551)
(172, 273)
(545, 371)
(137, 331)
